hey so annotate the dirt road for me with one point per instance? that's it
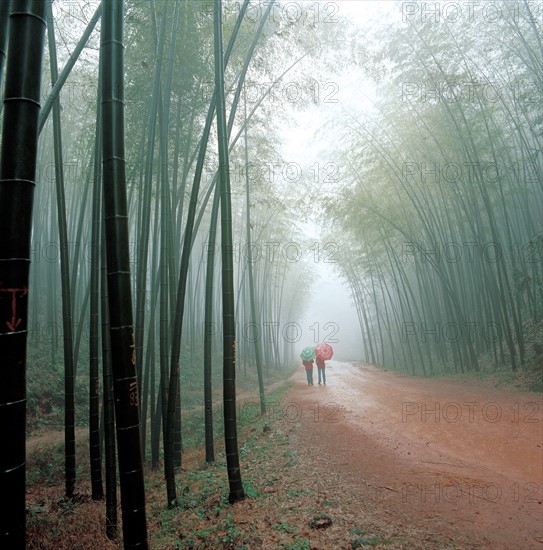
(451, 458)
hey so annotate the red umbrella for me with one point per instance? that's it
(324, 351)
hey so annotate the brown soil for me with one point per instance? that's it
(453, 458)
(374, 459)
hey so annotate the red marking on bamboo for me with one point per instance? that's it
(15, 322)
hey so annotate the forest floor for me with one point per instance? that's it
(374, 459)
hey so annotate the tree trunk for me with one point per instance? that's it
(118, 272)
(17, 180)
(69, 369)
(229, 335)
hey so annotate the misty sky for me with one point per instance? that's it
(330, 314)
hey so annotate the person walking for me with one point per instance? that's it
(309, 371)
(321, 368)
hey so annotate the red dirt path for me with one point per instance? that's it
(454, 458)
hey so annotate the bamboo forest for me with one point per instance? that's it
(271, 274)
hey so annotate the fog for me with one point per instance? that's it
(331, 317)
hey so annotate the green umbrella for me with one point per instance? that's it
(308, 353)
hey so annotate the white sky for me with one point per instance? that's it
(330, 308)
(364, 8)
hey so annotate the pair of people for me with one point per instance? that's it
(321, 368)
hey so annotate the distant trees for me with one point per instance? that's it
(438, 204)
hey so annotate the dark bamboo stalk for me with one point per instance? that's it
(109, 400)
(229, 335)
(67, 325)
(118, 271)
(17, 181)
(94, 363)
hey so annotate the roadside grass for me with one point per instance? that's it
(526, 378)
(285, 506)
(204, 513)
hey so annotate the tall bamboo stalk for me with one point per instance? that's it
(229, 335)
(94, 318)
(17, 181)
(69, 367)
(118, 268)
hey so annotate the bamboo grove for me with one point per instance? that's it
(133, 200)
(443, 193)
(147, 213)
